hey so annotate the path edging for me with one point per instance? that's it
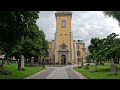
(35, 74)
(79, 74)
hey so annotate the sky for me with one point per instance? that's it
(85, 25)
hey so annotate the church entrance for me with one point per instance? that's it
(63, 59)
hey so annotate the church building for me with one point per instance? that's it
(64, 49)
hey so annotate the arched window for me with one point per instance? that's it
(63, 24)
(78, 53)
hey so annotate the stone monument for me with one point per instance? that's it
(21, 62)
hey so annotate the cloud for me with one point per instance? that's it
(85, 25)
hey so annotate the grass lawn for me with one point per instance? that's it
(19, 74)
(103, 72)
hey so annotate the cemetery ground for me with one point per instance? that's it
(16, 74)
(103, 72)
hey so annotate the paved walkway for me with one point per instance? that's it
(41, 75)
(58, 73)
(66, 72)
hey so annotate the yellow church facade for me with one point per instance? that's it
(63, 49)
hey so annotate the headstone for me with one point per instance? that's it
(113, 68)
(21, 62)
(32, 61)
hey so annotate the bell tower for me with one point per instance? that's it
(63, 35)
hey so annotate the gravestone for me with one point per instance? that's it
(21, 62)
(113, 68)
(32, 61)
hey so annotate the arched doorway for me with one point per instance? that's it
(63, 59)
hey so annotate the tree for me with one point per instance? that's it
(32, 47)
(94, 48)
(114, 14)
(89, 58)
(14, 26)
(105, 49)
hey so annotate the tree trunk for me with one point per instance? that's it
(2, 66)
(78, 62)
(95, 65)
(113, 60)
(82, 62)
(117, 60)
(39, 60)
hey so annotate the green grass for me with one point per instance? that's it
(19, 74)
(103, 72)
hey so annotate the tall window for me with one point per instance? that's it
(63, 24)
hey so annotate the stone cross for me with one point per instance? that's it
(21, 62)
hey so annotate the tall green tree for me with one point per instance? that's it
(32, 47)
(14, 26)
(94, 48)
(105, 49)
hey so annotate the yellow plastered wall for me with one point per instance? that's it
(63, 34)
(82, 50)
